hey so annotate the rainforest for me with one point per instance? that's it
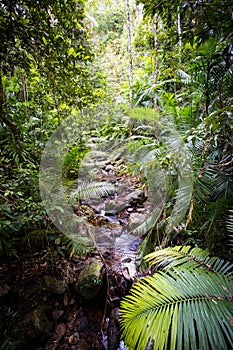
(116, 163)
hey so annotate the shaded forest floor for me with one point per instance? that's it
(40, 305)
(41, 309)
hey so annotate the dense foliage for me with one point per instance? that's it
(70, 58)
(44, 75)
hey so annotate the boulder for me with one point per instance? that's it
(36, 325)
(135, 219)
(53, 285)
(90, 279)
(112, 207)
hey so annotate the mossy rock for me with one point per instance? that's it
(53, 285)
(36, 325)
(90, 280)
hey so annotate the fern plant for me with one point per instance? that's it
(187, 304)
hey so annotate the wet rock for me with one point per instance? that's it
(130, 210)
(135, 219)
(141, 210)
(89, 280)
(112, 207)
(36, 325)
(53, 285)
(136, 196)
(82, 345)
(109, 167)
(97, 205)
(114, 330)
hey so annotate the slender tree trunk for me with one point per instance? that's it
(207, 94)
(156, 65)
(138, 16)
(130, 63)
(129, 55)
(5, 120)
(179, 31)
(2, 99)
(25, 89)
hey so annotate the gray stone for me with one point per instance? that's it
(136, 196)
(135, 219)
(109, 167)
(112, 207)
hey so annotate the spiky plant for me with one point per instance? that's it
(185, 305)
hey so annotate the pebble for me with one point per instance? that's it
(130, 210)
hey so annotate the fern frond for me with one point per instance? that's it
(182, 202)
(92, 190)
(180, 310)
(78, 245)
(140, 113)
(189, 258)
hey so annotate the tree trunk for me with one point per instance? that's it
(129, 50)
(139, 16)
(7, 122)
(156, 65)
(179, 30)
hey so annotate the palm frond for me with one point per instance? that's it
(182, 202)
(180, 310)
(92, 190)
(189, 258)
(185, 78)
(230, 228)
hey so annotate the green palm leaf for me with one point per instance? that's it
(92, 190)
(186, 309)
(230, 228)
(189, 258)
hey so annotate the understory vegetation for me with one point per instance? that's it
(151, 83)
